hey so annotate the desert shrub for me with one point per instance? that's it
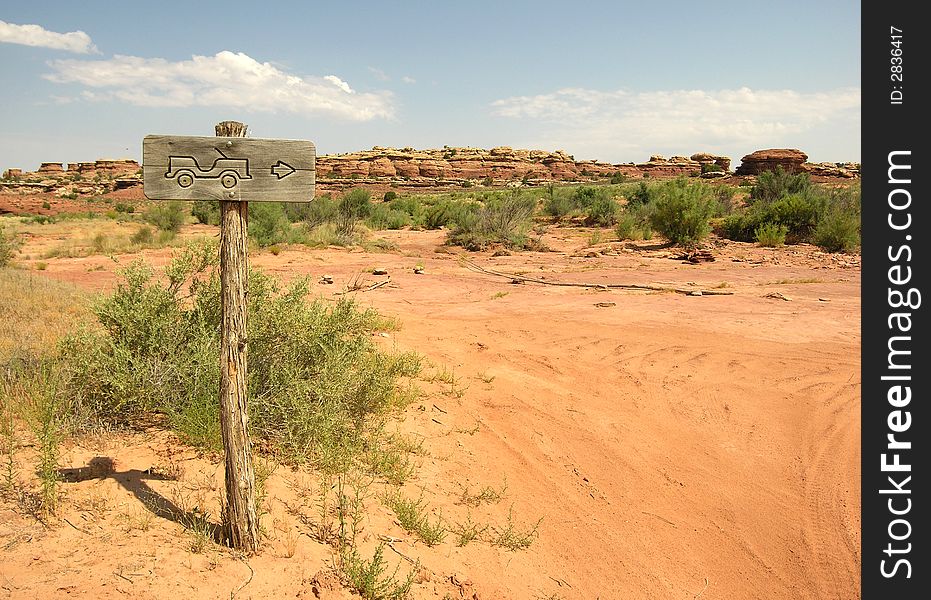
(297, 212)
(321, 210)
(167, 216)
(558, 206)
(838, 232)
(326, 234)
(318, 385)
(124, 208)
(711, 168)
(798, 214)
(585, 196)
(770, 234)
(269, 224)
(839, 227)
(644, 194)
(390, 195)
(144, 236)
(384, 217)
(681, 212)
(602, 210)
(618, 177)
(354, 205)
(501, 220)
(447, 213)
(627, 227)
(206, 211)
(772, 185)
(724, 194)
(8, 246)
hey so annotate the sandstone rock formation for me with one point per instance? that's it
(791, 160)
(845, 170)
(463, 164)
(51, 169)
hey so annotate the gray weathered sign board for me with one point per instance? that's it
(227, 168)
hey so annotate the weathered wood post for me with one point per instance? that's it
(240, 516)
(235, 170)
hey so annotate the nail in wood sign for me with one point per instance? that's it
(227, 168)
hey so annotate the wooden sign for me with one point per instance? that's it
(227, 168)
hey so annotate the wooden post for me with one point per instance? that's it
(241, 518)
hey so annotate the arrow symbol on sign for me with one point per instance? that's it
(282, 170)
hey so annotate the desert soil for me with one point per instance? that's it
(675, 446)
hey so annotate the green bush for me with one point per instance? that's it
(269, 224)
(602, 210)
(585, 196)
(355, 204)
(390, 195)
(167, 216)
(771, 234)
(798, 214)
(321, 210)
(711, 168)
(838, 231)
(501, 220)
(644, 194)
(559, 205)
(681, 212)
(318, 385)
(297, 212)
(206, 211)
(628, 227)
(447, 213)
(384, 217)
(773, 185)
(618, 177)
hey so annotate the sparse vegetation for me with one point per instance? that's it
(413, 517)
(511, 536)
(468, 531)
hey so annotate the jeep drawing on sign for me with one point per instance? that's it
(185, 170)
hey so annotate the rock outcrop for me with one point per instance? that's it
(500, 164)
(791, 160)
(51, 169)
(845, 170)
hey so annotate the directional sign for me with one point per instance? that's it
(227, 168)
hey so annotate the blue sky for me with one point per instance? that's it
(615, 81)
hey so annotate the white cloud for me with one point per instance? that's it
(379, 74)
(228, 79)
(407, 79)
(36, 35)
(623, 125)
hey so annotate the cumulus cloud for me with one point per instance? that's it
(633, 125)
(227, 79)
(36, 35)
(408, 79)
